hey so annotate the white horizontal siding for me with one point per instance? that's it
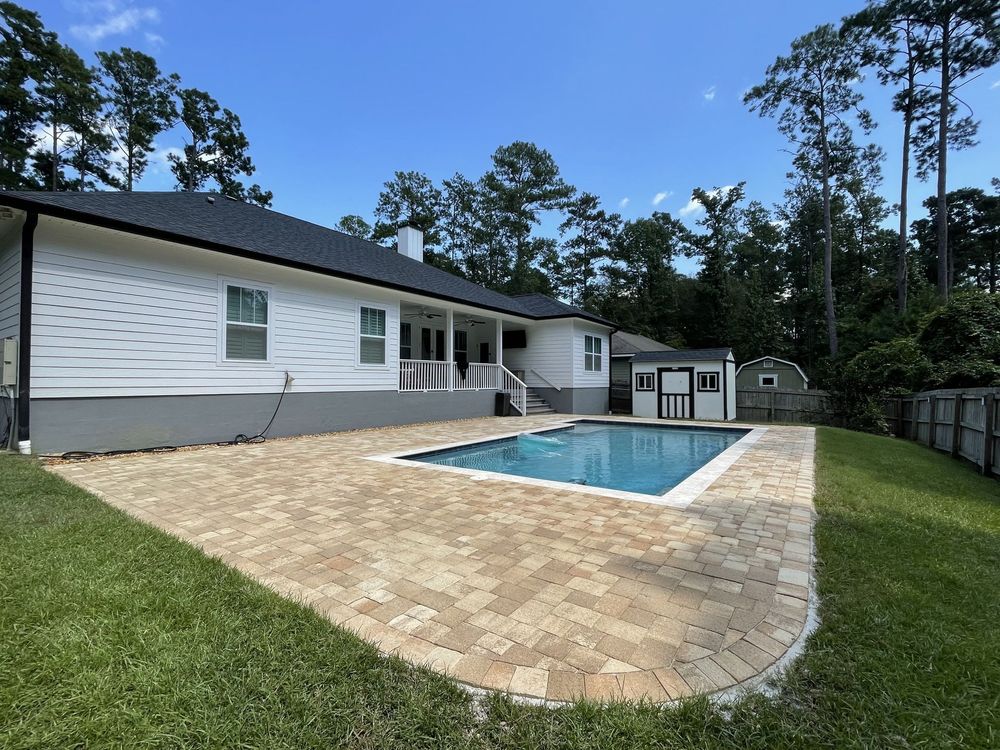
(546, 360)
(10, 282)
(583, 378)
(119, 315)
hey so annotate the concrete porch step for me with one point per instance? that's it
(537, 405)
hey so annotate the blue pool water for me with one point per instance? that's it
(636, 458)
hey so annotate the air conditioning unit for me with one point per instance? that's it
(8, 370)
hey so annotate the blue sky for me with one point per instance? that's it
(638, 102)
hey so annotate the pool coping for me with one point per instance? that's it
(679, 496)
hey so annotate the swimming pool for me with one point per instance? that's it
(646, 459)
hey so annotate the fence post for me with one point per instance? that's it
(989, 419)
(770, 406)
(899, 418)
(956, 426)
(931, 415)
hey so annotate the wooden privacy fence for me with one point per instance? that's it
(782, 405)
(964, 423)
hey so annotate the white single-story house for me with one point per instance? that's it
(771, 372)
(149, 319)
(684, 384)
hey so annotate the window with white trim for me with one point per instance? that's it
(461, 347)
(644, 381)
(405, 340)
(767, 381)
(592, 353)
(246, 330)
(708, 381)
(371, 335)
(768, 363)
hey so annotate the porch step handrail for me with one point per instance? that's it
(549, 382)
(515, 388)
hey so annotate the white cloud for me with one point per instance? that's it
(624, 202)
(155, 40)
(117, 19)
(694, 208)
(996, 85)
(709, 93)
(158, 162)
(660, 197)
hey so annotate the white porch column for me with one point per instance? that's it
(499, 355)
(449, 346)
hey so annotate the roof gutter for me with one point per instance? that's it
(104, 222)
(24, 333)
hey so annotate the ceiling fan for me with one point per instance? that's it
(472, 322)
(423, 314)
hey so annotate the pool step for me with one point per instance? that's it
(538, 405)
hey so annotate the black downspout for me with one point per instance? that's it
(611, 362)
(24, 344)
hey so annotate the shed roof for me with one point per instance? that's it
(214, 222)
(805, 378)
(624, 344)
(684, 355)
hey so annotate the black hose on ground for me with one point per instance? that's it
(240, 439)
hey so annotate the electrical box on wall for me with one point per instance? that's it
(8, 368)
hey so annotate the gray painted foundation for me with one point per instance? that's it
(100, 424)
(576, 400)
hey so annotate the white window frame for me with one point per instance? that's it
(640, 377)
(595, 355)
(357, 335)
(768, 363)
(770, 375)
(224, 283)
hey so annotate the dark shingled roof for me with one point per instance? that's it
(235, 227)
(624, 344)
(683, 355)
(543, 306)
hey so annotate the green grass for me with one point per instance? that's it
(114, 634)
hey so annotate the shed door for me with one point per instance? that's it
(676, 392)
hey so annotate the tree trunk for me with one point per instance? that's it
(55, 156)
(904, 183)
(942, 172)
(993, 268)
(831, 315)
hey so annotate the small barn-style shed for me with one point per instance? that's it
(771, 372)
(684, 384)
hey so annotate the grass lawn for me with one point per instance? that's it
(115, 634)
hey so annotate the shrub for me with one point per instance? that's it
(962, 340)
(859, 389)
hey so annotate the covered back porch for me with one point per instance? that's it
(452, 349)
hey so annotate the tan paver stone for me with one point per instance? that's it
(564, 686)
(602, 687)
(545, 592)
(529, 681)
(643, 686)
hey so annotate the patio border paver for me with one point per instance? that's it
(545, 593)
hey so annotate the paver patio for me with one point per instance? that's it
(540, 592)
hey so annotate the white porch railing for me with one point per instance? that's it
(433, 375)
(423, 375)
(479, 376)
(515, 388)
